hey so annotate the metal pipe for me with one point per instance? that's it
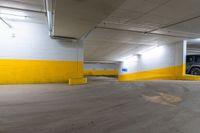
(50, 15)
(9, 26)
(45, 6)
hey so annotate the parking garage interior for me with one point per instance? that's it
(99, 66)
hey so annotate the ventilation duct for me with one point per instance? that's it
(50, 15)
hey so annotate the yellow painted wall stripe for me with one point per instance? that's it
(38, 71)
(176, 72)
(101, 72)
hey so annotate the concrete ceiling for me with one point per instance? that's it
(31, 10)
(107, 44)
(140, 24)
(75, 18)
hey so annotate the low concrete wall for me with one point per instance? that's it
(101, 69)
(162, 62)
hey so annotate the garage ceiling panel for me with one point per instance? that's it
(115, 44)
(74, 18)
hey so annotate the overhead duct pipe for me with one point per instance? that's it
(50, 15)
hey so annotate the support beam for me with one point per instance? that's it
(174, 24)
(142, 32)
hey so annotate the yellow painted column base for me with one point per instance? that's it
(190, 77)
(77, 81)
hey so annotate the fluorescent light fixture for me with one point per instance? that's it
(197, 39)
(12, 15)
(193, 40)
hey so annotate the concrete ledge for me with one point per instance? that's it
(77, 81)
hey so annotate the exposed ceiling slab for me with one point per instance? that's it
(107, 44)
(139, 24)
(148, 15)
(75, 18)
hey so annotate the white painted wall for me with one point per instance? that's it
(159, 57)
(32, 41)
(100, 66)
(193, 49)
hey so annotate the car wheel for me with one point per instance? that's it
(195, 71)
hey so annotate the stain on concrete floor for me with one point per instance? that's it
(102, 106)
(164, 99)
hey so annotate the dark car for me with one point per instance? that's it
(193, 64)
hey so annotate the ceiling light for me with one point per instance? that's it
(197, 39)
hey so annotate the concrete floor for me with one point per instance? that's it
(102, 106)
